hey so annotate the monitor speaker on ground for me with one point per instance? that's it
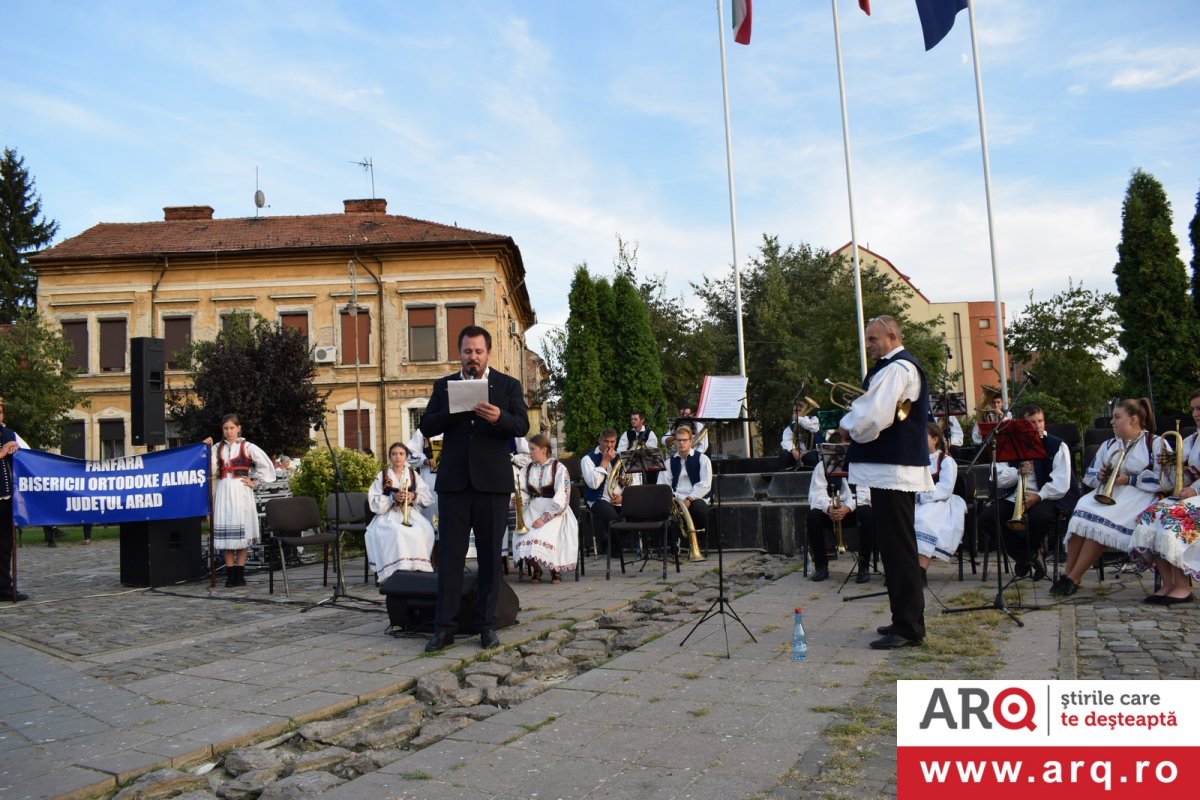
(412, 596)
(161, 552)
(147, 404)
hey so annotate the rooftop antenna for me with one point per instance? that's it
(260, 199)
(369, 166)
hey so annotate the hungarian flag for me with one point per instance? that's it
(741, 21)
(937, 18)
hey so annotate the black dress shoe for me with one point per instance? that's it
(820, 574)
(893, 641)
(488, 639)
(863, 577)
(885, 630)
(438, 641)
(10, 596)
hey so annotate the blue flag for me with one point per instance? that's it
(56, 490)
(937, 18)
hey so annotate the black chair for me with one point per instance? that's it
(1089, 455)
(645, 509)
(354, 514)
(1103, 422)
(1096, 436)
(964, 487)
(1166, 422)
(287, 519)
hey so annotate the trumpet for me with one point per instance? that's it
(837, 523)
(391, 491)
(406, 506)
(1105, 494)
(842, 394)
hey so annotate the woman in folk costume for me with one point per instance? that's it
(940, 514)
(1167, 535)
(1096, 525)
(397, 539)
(237, 466)
(552, 538)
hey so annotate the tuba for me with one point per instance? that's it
(618, 478)
(984, 411)
(842, 394)
(683, 518)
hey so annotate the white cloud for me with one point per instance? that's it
(1124, 66)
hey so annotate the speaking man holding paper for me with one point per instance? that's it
(474, 481)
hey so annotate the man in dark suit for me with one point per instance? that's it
(474, 484)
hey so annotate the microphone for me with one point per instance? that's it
(1034, 379)
(472, 373)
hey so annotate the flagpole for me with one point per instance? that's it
(858, 299)
(987, 186)
(737, 273)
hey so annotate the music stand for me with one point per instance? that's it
(721, 606)
(1014, 440)
(950, 404)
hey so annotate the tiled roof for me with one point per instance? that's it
(846, 248)
(124, 239)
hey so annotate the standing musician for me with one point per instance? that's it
(1130, 463)
(594, 468)
(890, 454)
(700, 445)
(10, 442)
(1050, 486)
(798, 446)
(1165, 535)
(853, 509)
(689, 474)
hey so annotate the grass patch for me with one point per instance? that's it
(650, 595)
(770, 627)
(691, 676)
(831, 685)
(699, 712)
(827, 709)
(845, 662)
(416, 775)
(530, 727)
(654, 699)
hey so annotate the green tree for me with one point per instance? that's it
(583, 385)
(610, 351)
(258, 370)
(1194, 236)
(636, 375)
(23, 229)
(1066, 340)
(36, 382)
(1158, 324)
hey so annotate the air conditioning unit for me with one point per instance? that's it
(514, 328)
(324, 355)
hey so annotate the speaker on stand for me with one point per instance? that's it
(147, 402)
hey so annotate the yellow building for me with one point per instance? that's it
(380, 297)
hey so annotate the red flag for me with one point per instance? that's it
(865, 5)
(741, 21)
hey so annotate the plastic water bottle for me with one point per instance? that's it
(799, 639)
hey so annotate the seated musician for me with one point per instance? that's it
(1050, 487)
(853, 508)
(798, 446)
(689, 475)
(595, 468)
(940, 515)
(398, 539)
(686, 417)
(990, 409)
(639, 431)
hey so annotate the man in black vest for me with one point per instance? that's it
(689, 474)
(594, 469)
(1050, 487)
(889, 453)
(10, 442)
(474, 484)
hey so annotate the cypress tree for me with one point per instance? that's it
(1194, 235)
(583, 386)
(610, 351)
(1158, 319)
(637, 373)
(23, 229)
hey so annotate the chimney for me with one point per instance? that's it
(181, 213)
(376, 205)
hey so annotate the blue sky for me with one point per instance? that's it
(563, 124)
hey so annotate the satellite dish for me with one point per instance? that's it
(260, 199)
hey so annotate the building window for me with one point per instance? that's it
(112, 438)
(174, 437)
(987, 364)
(457, 318)
(74, 443)
(177, 335)
(295, 320)
(112, 345)
(76, 332)
(356, 337)
(984, 322)
(414, 420)
(354, 423)
(231, 319)
(422, 334)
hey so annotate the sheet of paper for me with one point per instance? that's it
(465, 395)
(722, 397)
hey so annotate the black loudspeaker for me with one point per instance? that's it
(161, 552)
(147, 404)
(412, 598)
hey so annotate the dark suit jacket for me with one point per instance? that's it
(475, 454)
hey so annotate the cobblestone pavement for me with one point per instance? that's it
(102, 683)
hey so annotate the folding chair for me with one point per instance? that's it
(645, 509)
(287, 519)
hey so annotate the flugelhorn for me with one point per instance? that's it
(519, 506)
(1017, 523)
(842, 394)
(1179, 457)
(1105, 494)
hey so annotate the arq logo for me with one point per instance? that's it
(1011, 708)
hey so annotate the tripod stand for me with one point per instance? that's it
(339, 578)
(721, 605)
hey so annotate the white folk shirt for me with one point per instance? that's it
(873, 412)
(684, 488)
(595, 476)
(1060, 477)
(818, 492)
(788, 442)
(624, 444)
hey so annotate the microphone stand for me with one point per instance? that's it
(339, 578)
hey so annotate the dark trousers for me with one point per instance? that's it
(6, 549)
(897, 537)
(1021, 546)
(819, 527)
(458, 514)
(603, 513)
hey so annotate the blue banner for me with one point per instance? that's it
(56, 490)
